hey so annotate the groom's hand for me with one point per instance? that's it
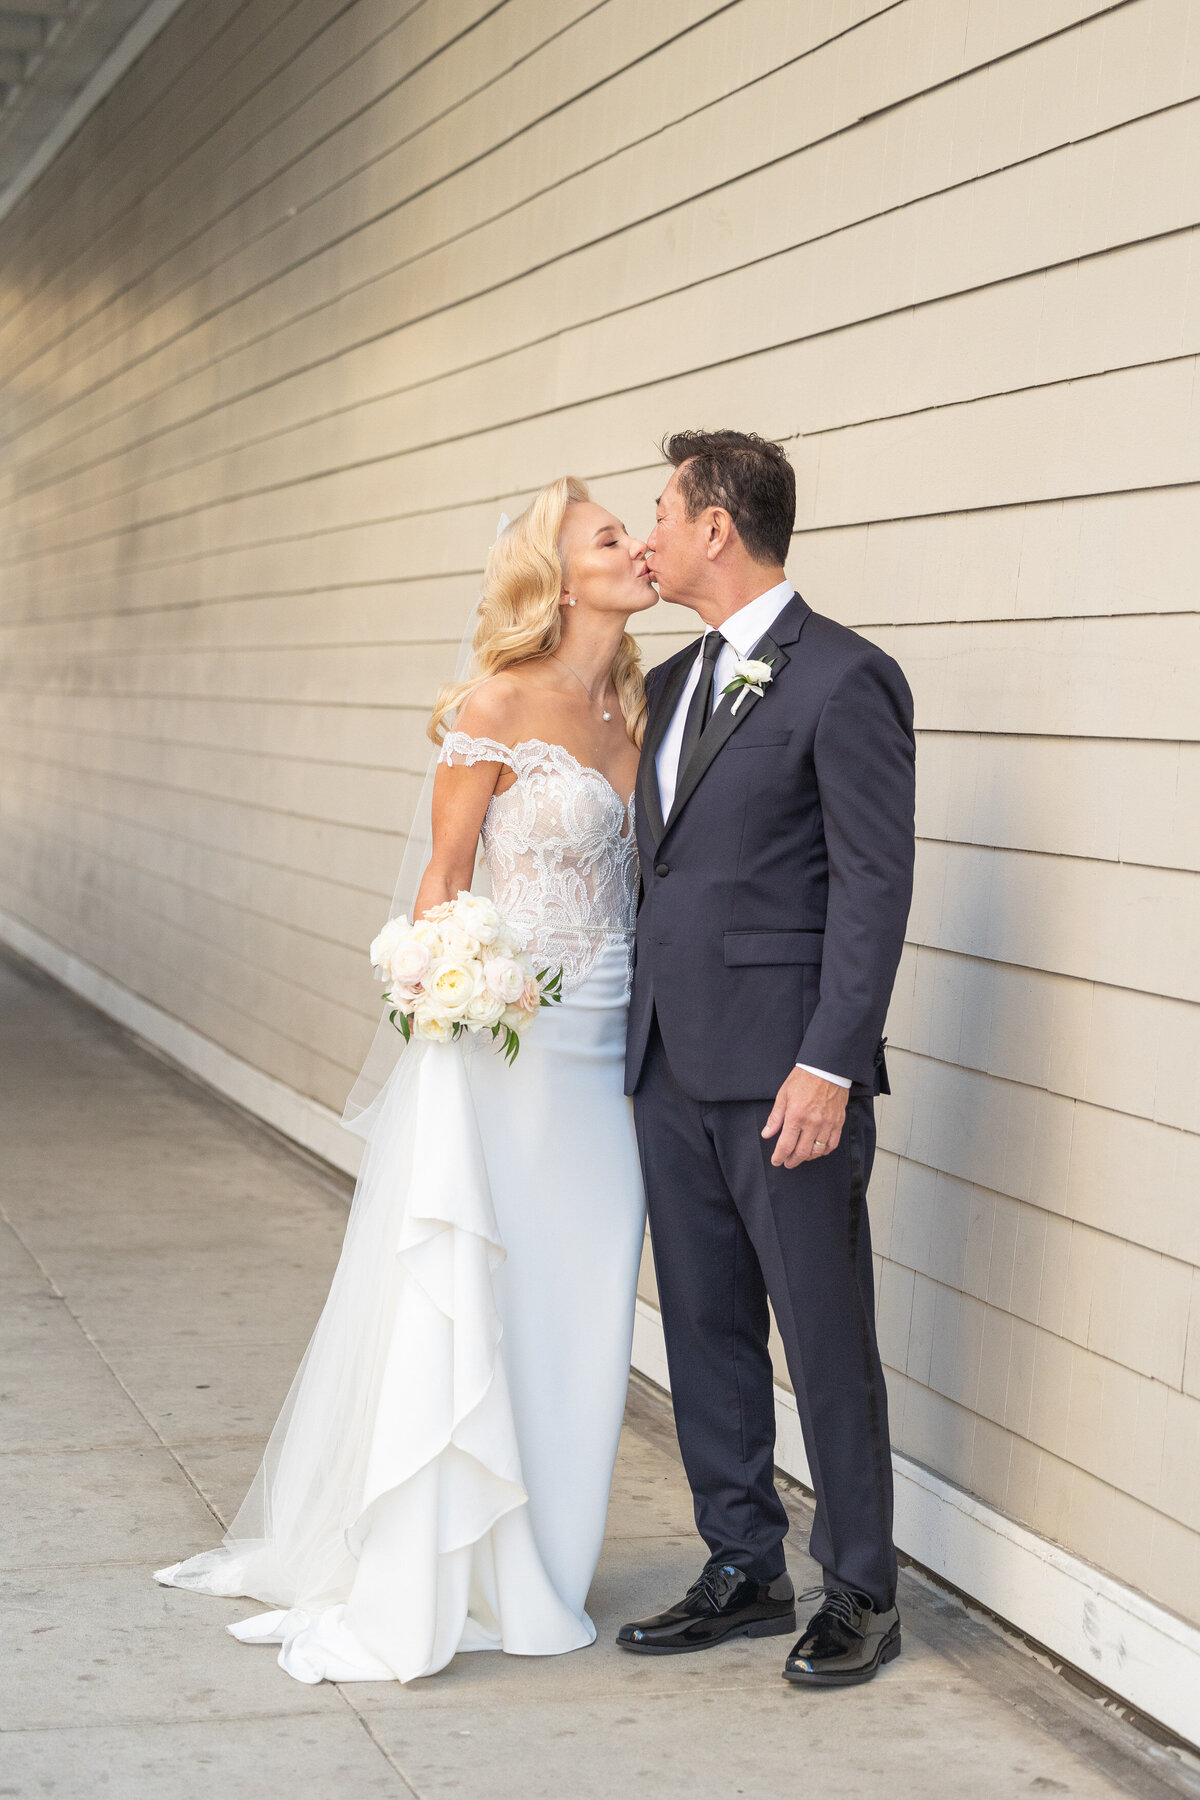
(808, 1116)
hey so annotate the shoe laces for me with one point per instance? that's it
(839, 1603)
(714, 1582)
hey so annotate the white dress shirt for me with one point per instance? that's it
(741, 631)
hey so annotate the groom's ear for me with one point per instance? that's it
(719, 528)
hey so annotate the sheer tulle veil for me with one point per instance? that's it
(387, 1046)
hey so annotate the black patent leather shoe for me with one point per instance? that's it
(724, 1603)
(846, 1641)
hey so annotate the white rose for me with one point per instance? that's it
(507, 941)
(427, 933)
(505, 978)
(427, 1025)
(753, 673)
(484, 1010)
(516, 1018)
(458, 941)
(409, 963)
(478, 916)
(450, 986)
(394, 933)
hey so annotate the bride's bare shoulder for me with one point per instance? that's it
(498, 708)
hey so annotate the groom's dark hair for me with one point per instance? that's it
(750, 477)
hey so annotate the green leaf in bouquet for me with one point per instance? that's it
(509, 1042)
(551, 986)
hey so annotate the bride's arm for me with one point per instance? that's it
(460, 798)
(461, 793)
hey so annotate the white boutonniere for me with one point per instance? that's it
(748, 678)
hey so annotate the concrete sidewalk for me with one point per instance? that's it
(161, 1266)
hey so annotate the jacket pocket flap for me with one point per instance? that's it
(745, 947)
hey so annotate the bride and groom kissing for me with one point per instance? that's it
(719, 859)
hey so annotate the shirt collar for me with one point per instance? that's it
(743, 628)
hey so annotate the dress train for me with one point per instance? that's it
(388, 1522)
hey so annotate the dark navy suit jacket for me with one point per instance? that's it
(776, 895)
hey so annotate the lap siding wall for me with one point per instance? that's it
(318, 288)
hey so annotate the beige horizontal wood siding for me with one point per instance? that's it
(320, 287)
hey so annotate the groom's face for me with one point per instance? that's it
(676, 549)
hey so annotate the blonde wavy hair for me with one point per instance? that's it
(519, 615)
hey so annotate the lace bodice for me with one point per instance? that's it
(560, 851)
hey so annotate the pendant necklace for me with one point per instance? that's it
(606, 716)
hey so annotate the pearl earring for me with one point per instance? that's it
(570, 599)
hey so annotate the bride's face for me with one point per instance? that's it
(605, 567)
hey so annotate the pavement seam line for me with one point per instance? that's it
(379, 1745)
(58, 1294)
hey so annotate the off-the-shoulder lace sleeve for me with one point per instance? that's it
(461, 747)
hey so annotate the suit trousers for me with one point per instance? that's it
(728, 1231)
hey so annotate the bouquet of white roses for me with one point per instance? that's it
(461, 968)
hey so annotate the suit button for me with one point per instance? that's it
(662, 868)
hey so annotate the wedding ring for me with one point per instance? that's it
(818, 1143)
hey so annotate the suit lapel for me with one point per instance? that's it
(649, 799)
(724, 722)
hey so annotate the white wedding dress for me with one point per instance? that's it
(438, 1478)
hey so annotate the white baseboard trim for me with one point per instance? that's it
(1143, 1653)
(305, 1121)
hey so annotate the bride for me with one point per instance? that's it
(439, 1476)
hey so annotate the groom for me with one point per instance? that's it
(775, 833)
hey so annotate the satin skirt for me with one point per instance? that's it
(438, 1478)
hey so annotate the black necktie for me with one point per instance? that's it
(700, 707)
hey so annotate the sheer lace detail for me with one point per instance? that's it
(560, 851)
(459, 746)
